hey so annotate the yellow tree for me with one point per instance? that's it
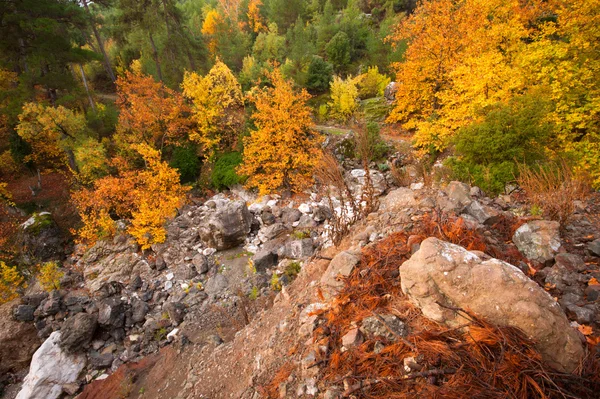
(283, 149)
(462, 56)
(10, 282)
(564, 60)
(254, 18)
(150, 112)
(218, 107)
(52, 133)
(213, 23)
(344, 98)
(147, 198)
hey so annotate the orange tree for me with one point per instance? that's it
(283, 149)
(147, 198)
(149, 112)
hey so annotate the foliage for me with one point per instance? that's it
(488, 151)
(553, 188)
(51, 132)
(338, 51)
(10, 282)
(5, 196)
(49, 276)
(146, 197)
(250, 72)
(282, 151)
(91, 160)
(377, 147)
(320, 74)
(149, 112)
(292, 269)
(275, 283)
(344, 98)
(218, 108)
(185, 159)
(224, 171)
(269, 46)
(372, 83)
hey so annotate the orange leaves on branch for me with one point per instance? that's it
(254, 18)
(283, 149)
(150, 112)
(218, 107)
(147, 198)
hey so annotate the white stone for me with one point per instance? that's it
(173, 334)
(417, 186)
(50, 369)
(209, 251)
(170, 276)
(304, 208)
(272, 203)
(168, 285)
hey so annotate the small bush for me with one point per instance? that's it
(376, 148)
(488, 151)
(224, 171)
(293, 269)
(185, 159)
(372, 84)
(320, 74)
(10, 283)
(49, 276)
(552, 190)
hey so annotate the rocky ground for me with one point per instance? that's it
(238, 302)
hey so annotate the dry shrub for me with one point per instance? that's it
(329, 177)
(481, 361)
(554, 189)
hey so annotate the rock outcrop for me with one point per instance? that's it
(51, 368)
(538, 240)
(441, 276)
(225, 225)
(18, 341)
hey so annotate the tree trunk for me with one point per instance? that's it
(155, 56)
(87, 89)
(107, 65)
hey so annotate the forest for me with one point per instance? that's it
(123, 109)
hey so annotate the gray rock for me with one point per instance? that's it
(358, 181)
(581, 314)
(111, 313)
(299, 249)
(226, 226)
(538, 240)
(43, 238)
(24, 313)
(290, 215)
(322, 213)
(483, 213)
(390, 91)
(78, 331)
(216, 284)
(391, 328)
(264, 259)
(34, 300)
(342, 265)
(50, 369)
(267, 218)
(594, 247)
(185, 271)
(139, 310)
(441, 276)
(306, 222)
(49, 306)
(457, 197)
(571, 262)
(270, 232)
(101, 360)
(176, 312)
(399, 198)
(201, 263)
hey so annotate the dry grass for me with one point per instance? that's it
(554, 189)
(483, 361)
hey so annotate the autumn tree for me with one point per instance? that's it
(150, 112)
(218, 108)
(344, 98)
(10, 282)
(147, 198)
(52, 133)
(283, 149)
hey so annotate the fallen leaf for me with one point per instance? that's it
(585, 330)
(593, 340)
(593, 281)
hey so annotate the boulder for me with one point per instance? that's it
(483, 213)
(216, 284)
(594, 247)
(201, 263)
(264, 259)
(139, 310)
(538, 240)
(390, 91)
(111, 313)
(24, 313)
(226, 226)
(176, 312)
(399, 198)
(388, 326)
(458, 197)
(43, 238)
(441, 276)
(290, 215)
(358, 179)
(77, 331)
(18, 341)
(342, 265)
(299, 249)
(51, 368)
(270, 232)
(322, 213)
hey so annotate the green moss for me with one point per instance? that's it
(292, 269)
(375, 109)
(40, 223)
